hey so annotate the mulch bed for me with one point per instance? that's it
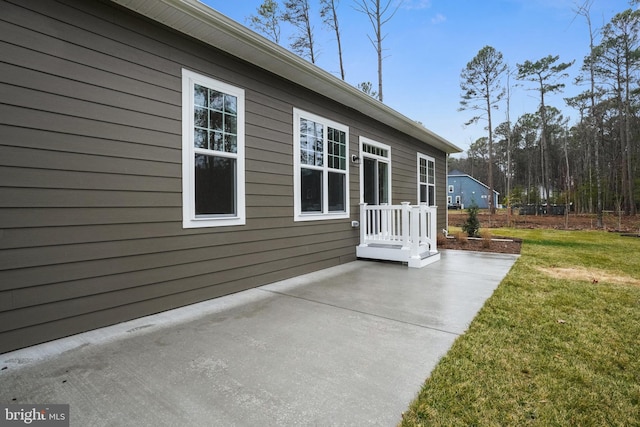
(511, 246)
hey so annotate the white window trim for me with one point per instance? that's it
(297, 203)
(435, 187)
(189, 219)
(362, 141)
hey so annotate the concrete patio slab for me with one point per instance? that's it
(350, 345)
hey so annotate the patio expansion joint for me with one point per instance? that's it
(361, 312)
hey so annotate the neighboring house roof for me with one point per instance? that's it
(198, 20)
(462, 174)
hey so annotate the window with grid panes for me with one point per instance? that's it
(321, 168)
(213, 152)
(426, 180)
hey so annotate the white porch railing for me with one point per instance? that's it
(398, 233)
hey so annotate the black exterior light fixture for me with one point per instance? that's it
(355, 159)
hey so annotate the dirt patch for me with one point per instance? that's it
(592, 275)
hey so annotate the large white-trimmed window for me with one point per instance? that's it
(426, 180)
(321, 169)
(213, 189)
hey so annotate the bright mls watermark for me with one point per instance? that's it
(34, 415)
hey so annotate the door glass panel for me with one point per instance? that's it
(383, 182)
(370, 185)
(376, 181)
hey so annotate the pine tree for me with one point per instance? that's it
(472, 225)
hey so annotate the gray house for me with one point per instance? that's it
(155, 154)
(463, 190)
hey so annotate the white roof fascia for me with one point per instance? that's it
(201, 22)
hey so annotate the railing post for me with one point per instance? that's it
(406, 232)
(433, 223)
(415, 232)
(364, 226)
(424, 221)
(384, 222)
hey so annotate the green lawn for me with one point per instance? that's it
(557, 344)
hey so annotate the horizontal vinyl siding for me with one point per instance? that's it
(90, 174)
(31, 307)
(90, 190)
(70, 325)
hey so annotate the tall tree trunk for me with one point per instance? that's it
(567, 183)
(378, 13)
(543, 145)
(508, 149)
(309, 31)
(342, 75)
(594, 128)
(631, 204)
(298, 14)
(329, 15)
(624, 181)
(492, 208)
(585, 11)
(379, 41)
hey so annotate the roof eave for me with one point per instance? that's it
(201, 22)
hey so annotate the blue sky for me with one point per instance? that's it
(429, 42)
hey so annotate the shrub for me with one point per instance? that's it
(486, 238)
(461, 237)
(472, 225)
(441, 239)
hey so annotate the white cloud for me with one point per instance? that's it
(416, 4)
(438, 18)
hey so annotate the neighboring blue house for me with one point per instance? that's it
(463, 190)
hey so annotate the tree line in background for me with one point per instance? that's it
(300, 15)
(539, 158)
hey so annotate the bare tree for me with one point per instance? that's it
(481, 91)
(379, 13)
(329, 14)
(267, 20)
(297, 13)
(585, 10)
